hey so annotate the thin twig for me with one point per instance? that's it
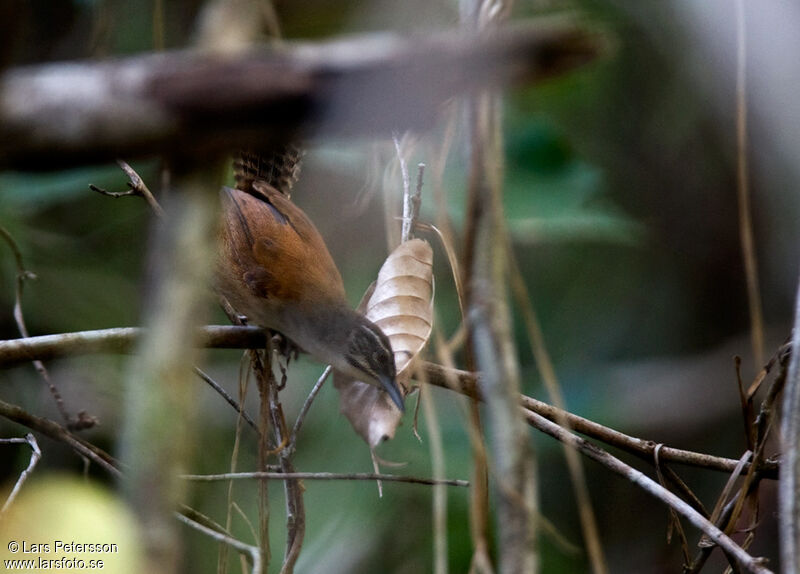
(207, 521)
(222, 555)
(224, 394)
(439, 493)
(293, 490)
(137, 186)
(262, 375)
(727, 490)
(466, 383)
(407, 205)
(479, 492)
(723, 524)
(751, 564)
(322, 476)
(743, 195)
(674, 520)
(298, 423)
(479, 497)
(411, 206)
(245, 519)
(83, 420)
(452, 259)
(416, 198)
(272, 410)
(36, 454)
(728, 516)
(251, 551)
(56, 432)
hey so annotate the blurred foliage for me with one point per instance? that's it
(620, 202)
(87, 514)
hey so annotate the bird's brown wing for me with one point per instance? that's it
(282, 255)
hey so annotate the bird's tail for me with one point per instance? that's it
(279, 167)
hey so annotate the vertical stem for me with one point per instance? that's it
(742, 177)
(293, 488)
(788, 499)
(478, 493)
(160, 385)
(272, 410)
(263, 372)
(439, 491)
(489, 319)
(490, 332)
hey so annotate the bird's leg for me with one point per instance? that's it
(279, 449)
(286, 351)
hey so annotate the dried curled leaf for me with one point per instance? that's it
(401, 304)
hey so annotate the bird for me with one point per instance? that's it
(273, 267)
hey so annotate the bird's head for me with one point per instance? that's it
(352, 344)
(369, 357)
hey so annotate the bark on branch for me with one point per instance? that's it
(118, 340)
(66, 114)
(124, 339)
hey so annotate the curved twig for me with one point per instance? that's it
(137, 186)
(83, 420)
(36, 454)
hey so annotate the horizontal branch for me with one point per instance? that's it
(464, 383)
(117, 340)
(323, 476)
(66, 114)
(644, 449)
(122, 340)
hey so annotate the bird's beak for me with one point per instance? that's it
(390, 386)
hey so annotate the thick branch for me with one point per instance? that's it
(70, 113)
(118, 340)
(158, 417)
(489, 334)
(122, 340)
(788, 496)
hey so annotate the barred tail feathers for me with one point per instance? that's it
(278, 167)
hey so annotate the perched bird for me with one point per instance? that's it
(274, 268)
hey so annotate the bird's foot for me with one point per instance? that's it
(286, 351)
